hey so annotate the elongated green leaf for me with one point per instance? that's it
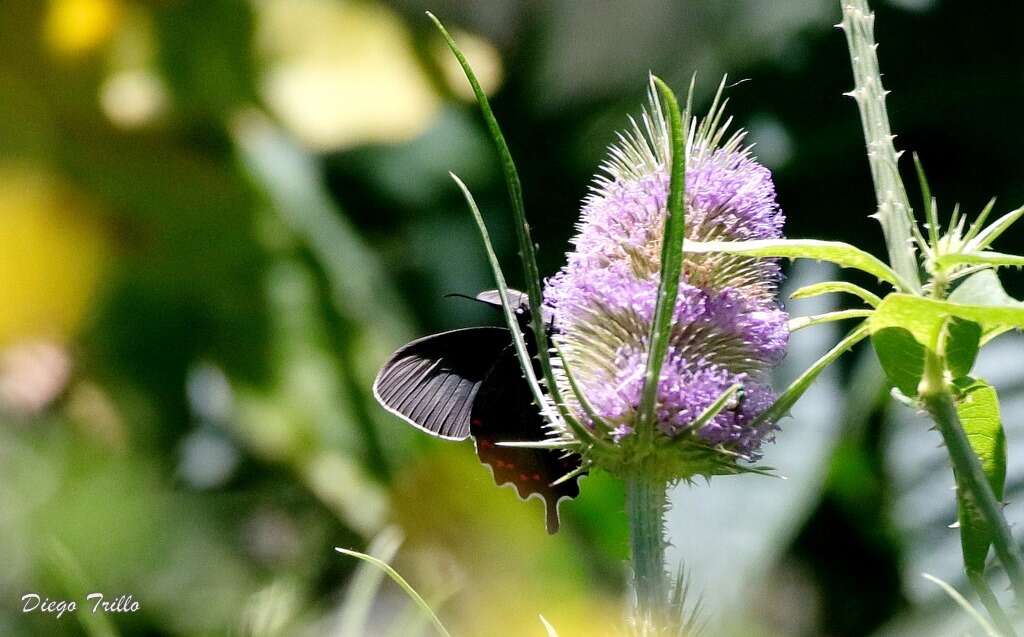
(525, 362)
(796, 389)
(995, 259)
(930, 208)
(398, 579)
(671, 263)
(960, 342)
(962, 602)
(994, 230)
(901, 358)
(801, 322)
(978, 409)
(527, 252)
(830, 287)
(924, 317)
(983, 288)
(842, 254)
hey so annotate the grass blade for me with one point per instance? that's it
(365, 584)
(398, 579)
(964, 604)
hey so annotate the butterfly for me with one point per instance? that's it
(468, 382)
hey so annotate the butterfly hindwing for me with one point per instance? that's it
(433, 382)
(504, 411)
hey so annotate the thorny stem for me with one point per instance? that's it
(894, 212)
(896, 218)
(938, 401)
(646, 502)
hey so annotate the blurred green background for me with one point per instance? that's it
(218, 218)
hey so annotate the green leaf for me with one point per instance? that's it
(830, 287)
(801, 322)
(982, 288)
(924, 317)
(995, 259)
(671, 263)
(993, 231)
(978, 409)
(901, 357)
(960, 342)
(796, 389)
(842, 254)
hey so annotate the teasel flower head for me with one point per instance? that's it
(728, 328)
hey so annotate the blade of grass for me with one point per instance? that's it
(398, 579)
(365, 584)
(671, 264)
(964, 604)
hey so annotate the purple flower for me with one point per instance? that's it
(728, 327)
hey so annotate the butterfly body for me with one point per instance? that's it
(469, 382)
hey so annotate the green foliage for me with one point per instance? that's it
(842, 254)
(830, 287)
(978, 409)
(901, 357)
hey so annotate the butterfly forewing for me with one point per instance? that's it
(504, 411)
(432, 382)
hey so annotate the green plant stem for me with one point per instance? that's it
(646, 502)
(991, 603)
(894, 212)
(938, 401)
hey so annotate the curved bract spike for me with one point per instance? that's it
(671, 263)
(527, 252)
(518, 340)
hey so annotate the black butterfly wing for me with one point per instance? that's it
(432, 382)
(504, 411)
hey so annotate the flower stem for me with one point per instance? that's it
(646, 503)
(970, 475)
(894, 212)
